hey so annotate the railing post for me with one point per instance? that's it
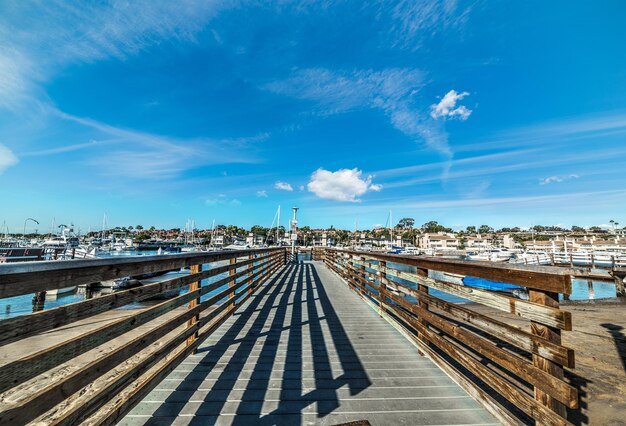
(620, 291)
(250, 268)
(422, 289)
(363, 275)
(194, 269)
(382, 287)
(231, 283)
(553, 335)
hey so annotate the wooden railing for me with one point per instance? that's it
(86, 361)
(517, 373)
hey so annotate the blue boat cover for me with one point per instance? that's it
(488, 284)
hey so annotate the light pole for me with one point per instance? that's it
(24, 233)
(294, 232)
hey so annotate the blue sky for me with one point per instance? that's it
(504, 113)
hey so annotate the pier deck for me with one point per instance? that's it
(304, 349)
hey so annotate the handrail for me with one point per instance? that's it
(25, 277)
(517, 374)
(76, 376)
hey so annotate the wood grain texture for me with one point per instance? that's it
(547, 315)
(539, 277)
(26, 277)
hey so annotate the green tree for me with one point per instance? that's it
(406, 223)
(485, 229)
(470, 229)
(433, 227)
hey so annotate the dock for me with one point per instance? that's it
(263, 337)
(306, 350)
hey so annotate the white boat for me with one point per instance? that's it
(491, 255)
(58, 291)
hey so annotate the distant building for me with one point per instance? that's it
(439, 241)
(255, 240)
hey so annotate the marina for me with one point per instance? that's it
(303, 213)
(293, 291)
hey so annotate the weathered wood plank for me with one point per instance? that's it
(129, 397)
(30, 366)
(12, 329)
(507, 333)
(519, 366)
(554, 335)
(539, 277)
(26, 277)
(524, 402)
(547, 315)
(193, 303)
(38, 403)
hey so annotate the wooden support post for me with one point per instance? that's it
(620, 291)
(250, 268)
(193, 303)
(593, 261)
(571, 260)
(363, 274)
(553, 335)
(383, 287)
(231, 284)
(422, 304)
(39, 301)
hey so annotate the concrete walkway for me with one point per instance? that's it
(307, 350)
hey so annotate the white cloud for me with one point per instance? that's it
(342, 185)
(557, 179)
(447, 108)
(283, 186)
(301, 187)
(261, 194)
(7, 158)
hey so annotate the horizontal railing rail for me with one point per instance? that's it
(75, 364)
(517, 373)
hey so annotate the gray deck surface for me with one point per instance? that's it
(306, 350)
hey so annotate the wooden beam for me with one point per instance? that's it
(26, 277)
(539, 277)
(547, 315)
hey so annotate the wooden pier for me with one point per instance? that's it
(306, 350)
(350, 336)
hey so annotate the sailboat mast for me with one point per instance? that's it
(278, 225)
(391, 225)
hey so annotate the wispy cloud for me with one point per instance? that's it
(560, 132)
(33, 46)
(7, 158)
(69, 148)
(447, 108)
(222, 199)
(391, 91)
(529, 164)
(557, 179)
(146, 155)
(342, 185)
(413, 21)
(283, 186)
(261, 194)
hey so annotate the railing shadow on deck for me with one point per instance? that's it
(302, 286)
